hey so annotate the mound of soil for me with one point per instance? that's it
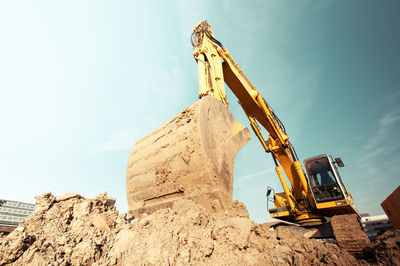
(72, 230)
(386, 249)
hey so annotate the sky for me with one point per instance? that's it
(81, 81)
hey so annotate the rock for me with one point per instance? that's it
(14, 246)
(44, 202)
(123, 216)
(82, 209)
(67, 196)
(100, 221)
(105, 200)
(236, 230)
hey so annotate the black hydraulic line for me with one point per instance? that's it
(293, 151)
(191, 39)
(276, 118)
(275, 161)
(278, 121)
(205, 30)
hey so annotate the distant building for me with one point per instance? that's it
(11, 213)
(376, 225)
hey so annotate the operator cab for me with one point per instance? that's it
(324, 178)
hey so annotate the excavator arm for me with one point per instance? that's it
(158, 175)
(216, 66)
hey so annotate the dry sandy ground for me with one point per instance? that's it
(72, 230)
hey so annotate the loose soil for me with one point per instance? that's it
(72, 230)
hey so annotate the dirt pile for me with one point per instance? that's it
(386, 249)
(62, 230)
(72, 230)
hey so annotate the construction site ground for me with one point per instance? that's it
(72, 230)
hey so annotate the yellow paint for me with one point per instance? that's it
(216, 66)
(280, 200)
(288, 193)
(332, 204)
(278, 215)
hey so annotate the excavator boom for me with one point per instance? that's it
(215, 65)
(313, 198)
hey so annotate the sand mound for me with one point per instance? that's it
(72, 230)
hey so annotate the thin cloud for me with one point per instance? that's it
(377, 165)
(390, 119)
(386, 126)
(246, 177)
(380, 145)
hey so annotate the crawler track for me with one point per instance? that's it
(349, 234)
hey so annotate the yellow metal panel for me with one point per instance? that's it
(332, 204)
(280, 200)
(280, 214)
(251, 106)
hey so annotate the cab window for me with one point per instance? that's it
(323, 181)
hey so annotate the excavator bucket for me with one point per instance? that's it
(191, 156)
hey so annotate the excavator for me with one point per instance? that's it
(315, 195)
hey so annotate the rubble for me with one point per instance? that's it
(80, 231)
(386, 249)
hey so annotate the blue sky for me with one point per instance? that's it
(80, 82)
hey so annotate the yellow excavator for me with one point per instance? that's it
(316, 196)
